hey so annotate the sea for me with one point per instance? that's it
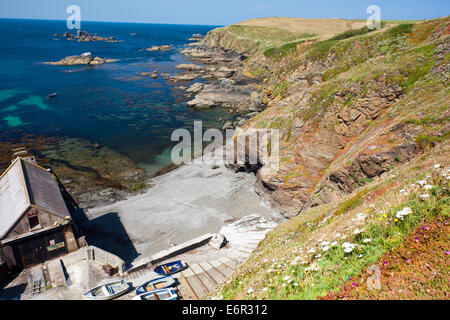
(109, 104)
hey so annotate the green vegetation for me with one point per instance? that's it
(280, 88)
(137, 187)
(367, 180)
(354, 33)
(254, 38)
(282, 275)
(286, 49)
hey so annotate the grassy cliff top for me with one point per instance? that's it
(257, 35)
(305, 25)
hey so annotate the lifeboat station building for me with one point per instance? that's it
(35, 224)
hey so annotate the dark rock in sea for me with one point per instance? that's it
(84, 36)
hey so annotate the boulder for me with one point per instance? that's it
(218, 241)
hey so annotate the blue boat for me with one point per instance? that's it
(162, 294)
(171, 267)
(156, 284)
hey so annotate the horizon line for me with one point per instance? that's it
(103, 21)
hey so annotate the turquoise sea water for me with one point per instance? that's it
(108, 104)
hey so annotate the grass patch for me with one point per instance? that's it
(286, 49)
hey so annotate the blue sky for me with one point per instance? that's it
(214, 12)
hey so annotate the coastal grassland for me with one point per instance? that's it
(314, 254)
(254, 38)
(360, 64)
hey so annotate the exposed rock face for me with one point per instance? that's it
(347, 113)
(82, 59)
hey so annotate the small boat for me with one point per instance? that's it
(161, 294)
(107, 291)
(156, 284)
(52, 95)
(171, 267)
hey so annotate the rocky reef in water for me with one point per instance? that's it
(93, 175)
(224, 81)
(82, 59)
(83, 36)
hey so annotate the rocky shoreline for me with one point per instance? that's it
(224, 81)
(92, 174)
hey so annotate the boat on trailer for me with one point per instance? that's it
(161, 294)
(156, 284)
(107, 291)
(171, 267)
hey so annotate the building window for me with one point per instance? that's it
(34, 222)
(33, 219)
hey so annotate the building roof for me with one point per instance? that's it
(25, 184)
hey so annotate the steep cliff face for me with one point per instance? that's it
(348, 108)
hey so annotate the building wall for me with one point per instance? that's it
(45, 219)
(71, 242)
(8, 256)
(38, 248)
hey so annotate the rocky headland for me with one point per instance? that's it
(363, 169)
(339, 100)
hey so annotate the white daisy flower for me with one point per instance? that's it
(424, 196)
(422, 182)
